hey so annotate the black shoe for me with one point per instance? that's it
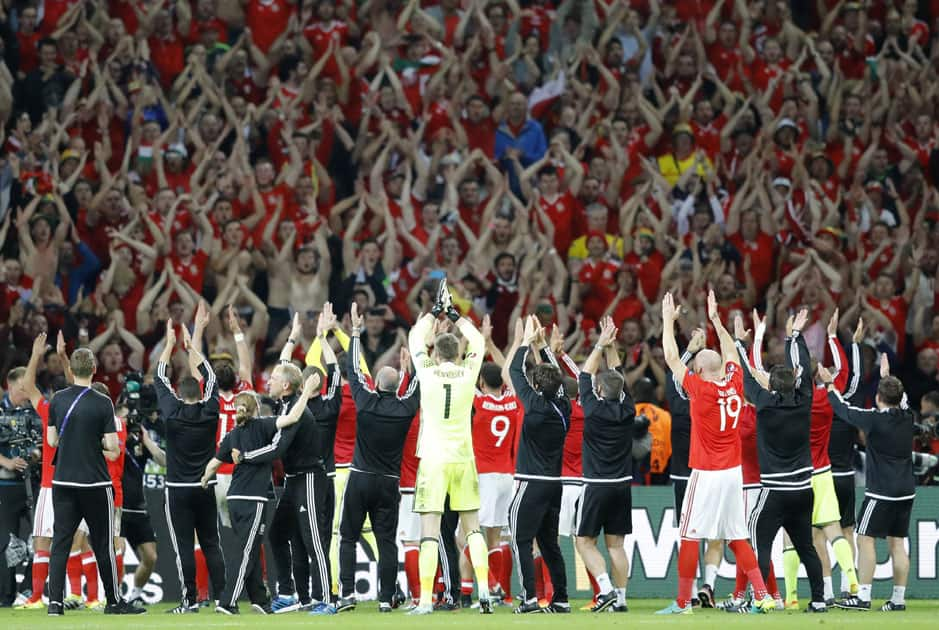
(227, 610)
(399, 598)
(558, 607)
(526, 608)
(123, 608)
(347, 603)
(383, 607)
(184, 608)
(206, 603)
(446, 605)
(55, 610)
(695, 602)
(262, 609)
(817, 607)
(485, 606)
(889, 606)
(853, 603)
(604, 601)
(830, 602)
(706, 595)
(845, 595)
(616, 608)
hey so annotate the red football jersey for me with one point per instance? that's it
(226, 419)
(116, 467)
(409, 459)
(345, 430)
(715, 414)
(572, 465)
(749, 461)
(48, 452)
(495, 427)
(822, 413)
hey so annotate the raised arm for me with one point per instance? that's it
(670, 315)
(728, 349)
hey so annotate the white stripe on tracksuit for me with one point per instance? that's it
(321, 558)
(179, 564)
(513, 528)
(865, 519)
(111, 557)
(240, 580)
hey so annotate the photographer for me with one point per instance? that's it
(926, 437)
(136, 528)
(20, 436)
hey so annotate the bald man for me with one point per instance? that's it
(383, 419)
(713, 505)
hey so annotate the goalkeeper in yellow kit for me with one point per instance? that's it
(445, 443)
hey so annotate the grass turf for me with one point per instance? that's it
(921, 613)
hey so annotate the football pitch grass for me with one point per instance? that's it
(919, 614)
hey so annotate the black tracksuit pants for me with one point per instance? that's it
(193, 509)
(793, 512)
(449, 552)
(293, 565)
(313, 496)
(378, 497)
(95, 505)
(14, 514)
(533, 515)
(247, 522)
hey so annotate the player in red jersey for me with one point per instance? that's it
(713, 506)
(495, 428)
(43, 519)
(409, 521)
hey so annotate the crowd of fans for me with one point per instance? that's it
(569, 159)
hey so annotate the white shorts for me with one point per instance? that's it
(43, 519)
(223, 482)
(570, 495)
(713, 507)
(751, 497)
(495, 494)
(409, 521)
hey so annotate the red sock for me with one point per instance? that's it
(90, 570)
(74, 570)
(539, 578)
(687, 568)
(412, 570)
(440, 586)
(593, 585)
(745, 557)
(40, 573)
(506, 579)
(548, 584)
(119, 561)
(495, 568)
(740, 584)
(466, 587)
(263, 565)
(202, 575)
(771, 585)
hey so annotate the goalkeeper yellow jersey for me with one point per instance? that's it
(447, 392)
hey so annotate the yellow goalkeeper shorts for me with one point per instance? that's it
(436, 481)
(825, 510)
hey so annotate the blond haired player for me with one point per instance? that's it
(445, 443)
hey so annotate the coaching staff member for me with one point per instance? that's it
(783, 423)
(81, 426)
(382, 420)
(191, 421)
(891, 487)
(606, 504)
(536, 506)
